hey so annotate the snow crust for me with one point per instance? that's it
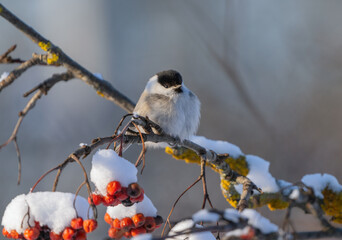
(232, 215)
(258, 167)
(4, 75)
(205, 216)
(254, 219)
(238, 232)
(108, 166)
(98, 75)
(146, 236)
(260, 175)
(145, 207)
(188, 224)
(259, 222)
(294, 194)
(218, 146)
(54, 209)
(320, 181)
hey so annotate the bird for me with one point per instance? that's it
(167, 102)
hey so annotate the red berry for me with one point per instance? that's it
(113, 187)
(68, 233)
(115, 233)
(137, 231)
(89, 225)
(37, 225)
(97, 199)
(128, 234)
(108, 219)
(14, 234)
(5, 232)
(150, 224)
(126, 223)
(116, 223)
(122, 195)
(31, 233)
(76, 223)
(55, 236)
(109, 200)
(81, 235)
(138, 220)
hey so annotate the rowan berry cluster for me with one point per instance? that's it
(132, 226)
(116, 194)
(77, 230)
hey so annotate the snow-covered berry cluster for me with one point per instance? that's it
(134, 220)
(64, 216)
(47, 215)
(116, 194)
(130, 212)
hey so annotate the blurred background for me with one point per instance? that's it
(268, 75)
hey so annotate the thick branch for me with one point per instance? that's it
(104, 88)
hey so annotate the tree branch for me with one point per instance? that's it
(103, 88)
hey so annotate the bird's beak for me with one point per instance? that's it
(179, 89)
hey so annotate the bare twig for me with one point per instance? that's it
(104, 88)
(44, 88)
(19, 70)
(5, 58)
(19, 159)
(175, 203)
(86, 181)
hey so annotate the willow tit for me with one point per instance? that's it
(170, 104)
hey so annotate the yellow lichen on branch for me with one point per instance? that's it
(240, 165)
(45, 46)
(332, 204)
(100, 93)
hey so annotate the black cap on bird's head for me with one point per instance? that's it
(169, 78)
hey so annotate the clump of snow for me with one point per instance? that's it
(3, 76)
(145, 207)
(14, 214)
(254, 219)
(108, 166)
(188, 224)
(205, 216)
(260, 175)
(219, 147)
(259, 222)
(54, 209)
(98, 75)
(320, 181)
(294, 194)
(232, 214)
(83, 144)
(146, 236)
(238, 232)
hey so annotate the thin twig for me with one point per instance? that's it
(46, 85)
(4, 58)
(104, 88)
(142, 154)
(86, 180)
(175, 203)
(18, 71)
(19, 159)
